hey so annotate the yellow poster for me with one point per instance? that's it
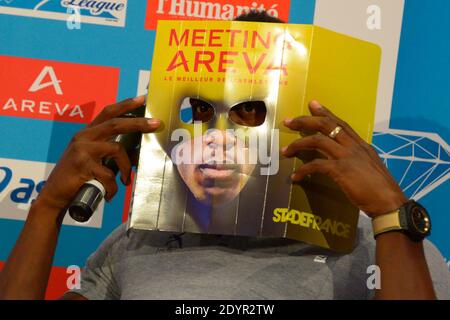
(222, 91)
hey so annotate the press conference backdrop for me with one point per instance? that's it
(62, 61)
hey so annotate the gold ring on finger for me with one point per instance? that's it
(335, 132)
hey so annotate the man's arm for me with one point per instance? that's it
(360, 173)
(404, 270)
(26, 272)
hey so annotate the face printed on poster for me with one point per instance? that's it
(222, 93)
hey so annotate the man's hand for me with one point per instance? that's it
(361, 174)
(82, 160)
(352, 163)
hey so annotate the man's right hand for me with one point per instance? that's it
(82, 160)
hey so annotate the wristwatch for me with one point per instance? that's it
(411, 219)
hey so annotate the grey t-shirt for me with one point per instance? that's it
(161, 265)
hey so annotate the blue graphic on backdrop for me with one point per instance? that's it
(420, 103)
(420, 162)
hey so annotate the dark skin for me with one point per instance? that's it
(80, 162)
(349, 161)
(355, 166)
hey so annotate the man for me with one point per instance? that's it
(147, 265)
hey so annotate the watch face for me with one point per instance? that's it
(420, 219)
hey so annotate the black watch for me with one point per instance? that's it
(411, 219)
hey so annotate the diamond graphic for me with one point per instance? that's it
(419, 161)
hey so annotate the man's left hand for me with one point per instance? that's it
(352, 163)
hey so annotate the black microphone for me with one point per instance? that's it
(92, 192)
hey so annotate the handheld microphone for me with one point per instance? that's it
(92, 192)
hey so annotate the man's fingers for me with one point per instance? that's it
(116, 126)
(107, 179)
(325, 145)
(118, 153)
(90, 152)
(314, 124)
(118, 109)
(316, 166)
(321, 111)
(134, 158)
(115, 151)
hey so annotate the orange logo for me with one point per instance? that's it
(58, 91)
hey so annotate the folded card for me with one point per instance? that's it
(222, 91)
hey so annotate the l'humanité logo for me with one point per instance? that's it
(58, 91)
(112, 12)
(211, 9)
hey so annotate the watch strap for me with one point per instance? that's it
(387, 222)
